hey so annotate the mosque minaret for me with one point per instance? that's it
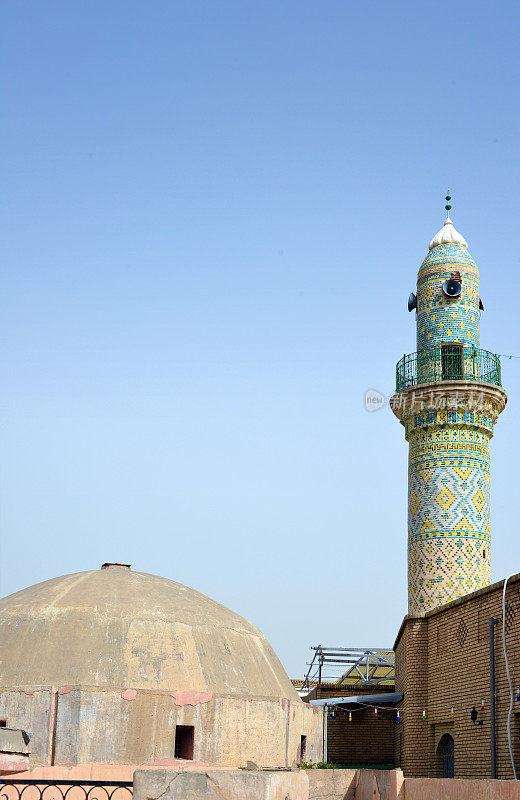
(448, 398)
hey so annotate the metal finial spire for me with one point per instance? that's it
(447, 234)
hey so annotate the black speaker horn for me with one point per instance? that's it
(412, 302)
(452, 288)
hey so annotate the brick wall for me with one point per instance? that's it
(442, 662)
(367, 739)
(411, 732)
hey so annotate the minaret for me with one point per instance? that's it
(448, 397)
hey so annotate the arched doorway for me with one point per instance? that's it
(446, 756)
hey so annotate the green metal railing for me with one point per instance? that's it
(448, 363)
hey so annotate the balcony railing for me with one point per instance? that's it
(448, 363)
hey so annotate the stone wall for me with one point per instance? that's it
(14, 750)
(31, 710)
(199, 783)
(439, 789)
(94, 725)
(327, 784)
(220, 785)
(332, 784)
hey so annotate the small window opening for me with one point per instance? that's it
(451, 356)
(303, 748)
(184, 735)
(3, 723)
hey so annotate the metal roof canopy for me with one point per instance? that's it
(365, 665)
(388, 698)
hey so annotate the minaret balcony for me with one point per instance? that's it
(448, 362)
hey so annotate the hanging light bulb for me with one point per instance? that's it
(424, 713)
(398, 717)
(518, 694)
(375, 712)
(452, 712)
(350, 716)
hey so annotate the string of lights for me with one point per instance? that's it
(334, 711)
(420, 709)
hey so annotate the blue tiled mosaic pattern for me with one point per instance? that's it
(448, 487)
(448, 505)
(441, 319)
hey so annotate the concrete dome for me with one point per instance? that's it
(122, 629)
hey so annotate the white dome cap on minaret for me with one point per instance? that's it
(448, 235)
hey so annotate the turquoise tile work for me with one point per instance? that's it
(448, 431)
(441, 319)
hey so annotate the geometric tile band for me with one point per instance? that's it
(448, 506)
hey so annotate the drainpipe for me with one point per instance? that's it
(492, 622)
(325, 726)
(52, 725)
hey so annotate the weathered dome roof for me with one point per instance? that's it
(118, 628)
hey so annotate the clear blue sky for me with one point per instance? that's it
(215, 212)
